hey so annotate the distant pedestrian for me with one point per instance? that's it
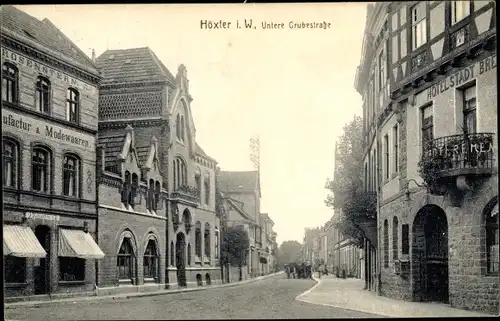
(294, 271)
(287, 271)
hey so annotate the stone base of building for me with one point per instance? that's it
(194, 276)
(457, 276)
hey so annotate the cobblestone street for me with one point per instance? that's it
(270, 298)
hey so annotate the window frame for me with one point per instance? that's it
(125, 257)
(387, 158)
(426, 126)
(47, 169)
(14, 160)
(453, 11)
(73, 101)
(492, 232)
(43, 105)
(382, 70)
(405, 239)
(151, 256)
(77, 175)
(467, 110)
(17, 269)
(395, 238)
(197, 240)
(418, 22)
(386, 244)
(395, 134)
(206, 240)
(206, 183)
(14, 79)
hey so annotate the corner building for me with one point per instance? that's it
(438, 59)
(49, 129)
(170, 187)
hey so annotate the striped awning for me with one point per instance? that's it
(20, 241)
(77, 243)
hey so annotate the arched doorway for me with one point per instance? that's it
(180, 258)
(42, 266)
(430, 255)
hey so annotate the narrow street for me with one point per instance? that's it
(270, 298)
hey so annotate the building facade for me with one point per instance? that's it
(157, 104)
(49, 113)
(243, 188)
(428, 81)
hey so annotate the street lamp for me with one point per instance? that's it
(407, 190)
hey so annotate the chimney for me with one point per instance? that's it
(93, 55)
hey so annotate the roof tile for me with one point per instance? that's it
(238, 181)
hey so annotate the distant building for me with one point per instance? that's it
(49, 112)
(428, 78)
(242, 188)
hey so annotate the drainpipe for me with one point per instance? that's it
(97, 178)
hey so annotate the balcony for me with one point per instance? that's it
(186, 194)
(459, 156)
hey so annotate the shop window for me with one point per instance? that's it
(10, 162)
(72, 105)
(40, 169)
(150, 261)
(70, 175)
(42, 98)
(15, 269)
(10, 78)
(71, 269)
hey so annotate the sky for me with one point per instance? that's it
(292, 88)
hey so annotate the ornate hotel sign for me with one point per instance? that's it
(23, 62)
(462, 76)
(26, 125)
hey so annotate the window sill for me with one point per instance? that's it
(80, 282)
(125, 281)
(150, 280)
(16, 285)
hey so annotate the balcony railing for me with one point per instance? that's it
(465, 154)
(186, 193)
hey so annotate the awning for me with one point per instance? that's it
(77, 243)
(20, 241)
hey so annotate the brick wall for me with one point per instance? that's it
(111, 225)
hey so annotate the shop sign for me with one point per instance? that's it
(42, 216)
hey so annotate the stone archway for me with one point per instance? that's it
(430, 255)
(180, 259)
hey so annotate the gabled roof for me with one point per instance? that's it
(131, 66)
(113, 145)
(43, 32)
(201, 152)
(238, 181)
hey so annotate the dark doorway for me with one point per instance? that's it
(42, 267)
(180, 259)
(430, 255)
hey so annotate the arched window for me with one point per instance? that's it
(134, 186)
(72, 105)
(197, 178)
(42, 98)
(206, 238)
(492, 259)
(157, 196)
(172, 253)
(206, 182)
(71, 177)
(197, 239)
(10, 86)
(216, 247)
(386, 244)
(10, 163)
(40, 169)
(395, 230)
(183, 128)
(174, 165)
(178, 127)
(150, 261)
(125, 260)
(189, 254)
(151, 195)
(126, 189)
(180, 173)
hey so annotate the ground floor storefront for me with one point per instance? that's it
(48, 254)
(433, 249)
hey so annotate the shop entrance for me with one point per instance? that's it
(42, 265)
